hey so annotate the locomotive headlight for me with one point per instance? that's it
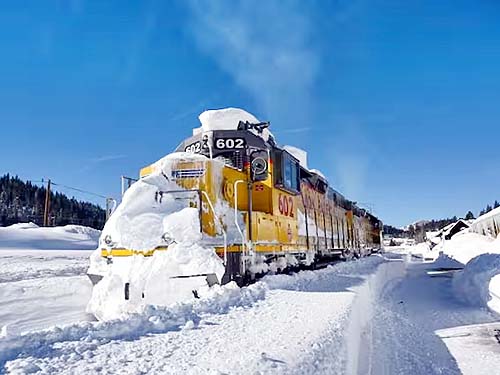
(167, 238)
(108, 240)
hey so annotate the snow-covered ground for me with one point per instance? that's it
(281, 324)
(409, 317)
(42, 276)
(31, 236)
(40, 289)
(380, 315)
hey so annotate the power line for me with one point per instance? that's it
(79, 190)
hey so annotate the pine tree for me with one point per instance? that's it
(24, 201)
(469, 216)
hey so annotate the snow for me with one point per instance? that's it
(42, 276)
(474, 347)
(479, 256)
(318, 172)
(152, 279)
(263, 328)
(488, 215)
(31, 236)
(422, 250)
(298, 153)
(143, 221)
(477, 284)
(465, 246)
(445, 262)
(42, 288)
(407, 318)
(227, 119)
(378, 315)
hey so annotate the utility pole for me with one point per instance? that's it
(47, 206)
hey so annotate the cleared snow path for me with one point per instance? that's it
(304, 323)
(406, 320)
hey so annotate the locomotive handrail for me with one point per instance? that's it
(221, 226)
(243, 245)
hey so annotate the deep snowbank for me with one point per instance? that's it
(31, 236)
(465, 246)
(478, 284)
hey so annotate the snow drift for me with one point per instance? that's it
(152, 279)
(227, 119)
(478, 283)
(31, 236)
(143, 222)
(465, 246)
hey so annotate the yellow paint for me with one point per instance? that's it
(274, 211)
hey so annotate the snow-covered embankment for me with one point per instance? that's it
(478, 284)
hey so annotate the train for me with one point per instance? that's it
(258, 205)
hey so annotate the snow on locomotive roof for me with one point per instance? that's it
(229, 118)
(299, 154)
(226, 119)
(318, 172)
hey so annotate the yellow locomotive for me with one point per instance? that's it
(258, 204)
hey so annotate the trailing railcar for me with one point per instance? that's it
(259, 207)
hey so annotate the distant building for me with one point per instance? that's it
(448, 231)
(488, 224)
(452, 229)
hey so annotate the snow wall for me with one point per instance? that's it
(478, 284)
(359, 338)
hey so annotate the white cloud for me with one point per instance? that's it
(105, 158)
(266, 47)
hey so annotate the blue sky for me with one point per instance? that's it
(397, 102)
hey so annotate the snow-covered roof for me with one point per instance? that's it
(227, 119)
(445, 231)
(488, 215)
(301, 156)
(318, 172)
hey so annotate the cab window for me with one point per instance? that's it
(286, 171)
(291, 181)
